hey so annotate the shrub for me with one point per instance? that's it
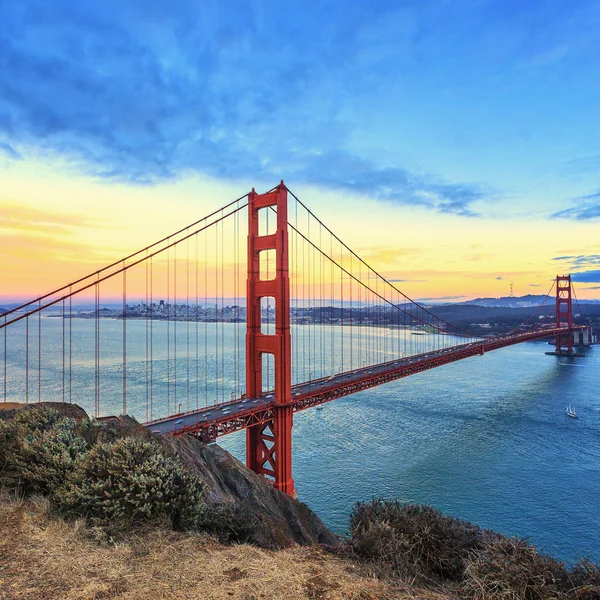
(230, 523)
(412, 540)
(37, 450)
(585, 581)
(512, 569)
(131, 481)
(44, 458)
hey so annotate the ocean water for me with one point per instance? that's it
(485, 439)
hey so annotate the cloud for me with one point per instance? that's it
(407, 280)
(344, 171)
(138, 92)
(19, 218)
(9, 151)
(440, 298)
(499, 278)
(534, 285)
(586, 208)
(580, 261)
(587, 276)
(33, 247)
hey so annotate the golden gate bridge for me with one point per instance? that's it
(237, 321)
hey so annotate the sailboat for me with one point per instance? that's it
(571, 412)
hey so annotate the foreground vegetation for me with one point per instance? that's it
(421, 544)
(90, 511)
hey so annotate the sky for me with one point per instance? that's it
(455, 145)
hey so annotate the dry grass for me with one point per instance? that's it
(46, 558)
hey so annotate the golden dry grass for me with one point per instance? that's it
(45, 558)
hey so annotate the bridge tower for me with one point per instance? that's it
(564, 313)
(269, 445)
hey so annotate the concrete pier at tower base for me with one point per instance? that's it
(566, 353)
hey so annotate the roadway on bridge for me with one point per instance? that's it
(317, 391)
(175, 423)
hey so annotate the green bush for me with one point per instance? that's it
(412, 540)
(131, 481)
(87, 473)
(37, 450)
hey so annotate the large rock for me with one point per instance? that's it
(278, 519)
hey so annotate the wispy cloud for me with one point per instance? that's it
(9, 151)
(19, 218)
(584, 209)
(407, 280)
(441, 298)
(580, 261)
(341, 170)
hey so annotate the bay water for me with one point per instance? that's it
(485, 439)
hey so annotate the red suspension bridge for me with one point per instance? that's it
(237, 321)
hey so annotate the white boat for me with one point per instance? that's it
(319, 408)
(571, 412)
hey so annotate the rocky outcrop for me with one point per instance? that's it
(278, 520)
(233, 493)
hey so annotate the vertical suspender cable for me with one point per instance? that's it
(196, 319)
(175, 405)
(146, 314)
(63, 352)
(223, 308)
(70, 345)
(124, 341)
(27, 360)
(40, 353)
(169, 327)
(5, 347)
(187, 320)
(151, 339)
(205, 320)
(216, 316)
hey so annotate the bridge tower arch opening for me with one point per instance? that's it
(269, 444)
(564, 314)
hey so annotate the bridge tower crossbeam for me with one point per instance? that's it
(269, 445)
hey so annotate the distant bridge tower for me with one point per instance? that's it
(269, 445)
(564, 313)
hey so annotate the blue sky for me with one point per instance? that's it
(474, 108)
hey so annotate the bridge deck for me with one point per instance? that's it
(212, 421)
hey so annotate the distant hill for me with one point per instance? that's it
(530, 300)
